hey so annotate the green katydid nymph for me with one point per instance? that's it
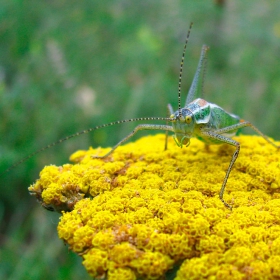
(198, 118)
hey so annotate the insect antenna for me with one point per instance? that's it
(80, 133)
(181, 70)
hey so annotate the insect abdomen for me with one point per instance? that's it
(220, 118)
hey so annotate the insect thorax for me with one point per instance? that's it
(219, 119)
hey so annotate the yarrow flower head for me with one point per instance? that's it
(145, 212)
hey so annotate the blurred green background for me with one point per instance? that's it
(66, 66)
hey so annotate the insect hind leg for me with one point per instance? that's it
(245, 124)
(263, 135)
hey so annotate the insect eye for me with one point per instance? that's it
(188, 119)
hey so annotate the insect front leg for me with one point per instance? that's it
(136, 129)
(170, 111)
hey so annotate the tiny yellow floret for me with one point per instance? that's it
(146, 213)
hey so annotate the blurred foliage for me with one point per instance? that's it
(66, 66)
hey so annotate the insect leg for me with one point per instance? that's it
(217, 134)
(170, 112)
(198, 80)
(232, 142)
(245, 124)
(136, 129)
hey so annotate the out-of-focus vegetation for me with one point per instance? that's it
(66, 66)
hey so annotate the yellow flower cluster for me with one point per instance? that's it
(143, 211)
